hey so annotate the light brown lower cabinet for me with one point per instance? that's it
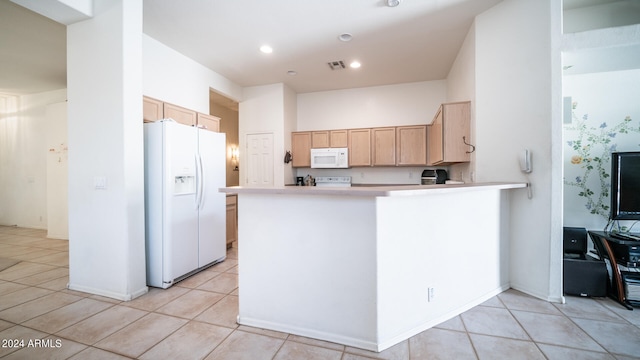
(232, 219)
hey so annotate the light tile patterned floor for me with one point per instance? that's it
(195, 319)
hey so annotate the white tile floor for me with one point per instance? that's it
(195, 319)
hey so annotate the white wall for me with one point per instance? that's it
(401, 104)
(516, 95)
(57, 171)
(106, 226)
(25, 140)
(602, 102)
(9, 121)
(172, 77)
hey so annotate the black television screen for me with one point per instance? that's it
(625, 185)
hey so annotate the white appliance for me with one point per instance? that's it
(330, 158)
(333, 181)
(184, 211)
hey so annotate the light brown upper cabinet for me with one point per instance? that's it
(329, 139)
(319, 139)
(180, 114)
(447, 134)
(301, 149)
(411, 145)
(338, 139)
(209, 122)
(359, 142)
(152, 109)
(383, 146)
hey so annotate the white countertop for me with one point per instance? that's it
(382, 190)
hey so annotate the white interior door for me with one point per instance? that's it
(259, 160)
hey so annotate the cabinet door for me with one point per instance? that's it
(435, 154)
(338, 139)
(301, 149)
(412, 145)
(209, 122)
(232, 219)
(152, 109)
(384, 146)
(180, 114)
(456, 126)
(319, 139)
(359, 143)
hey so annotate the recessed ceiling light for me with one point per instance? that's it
(355, 64)
(393, 3)
(266, 49)
(345, 37)
(292, 73)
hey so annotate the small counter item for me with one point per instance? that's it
(441, 176)
(429, 177)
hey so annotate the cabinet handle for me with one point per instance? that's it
(473, 147)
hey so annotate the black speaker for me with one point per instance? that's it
(574, 240)
(584, 276)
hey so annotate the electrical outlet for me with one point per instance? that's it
(431, 293)
(410, 175)
(362, 175)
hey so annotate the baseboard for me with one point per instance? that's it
(109, 294)
(314, 334)
(365, 344)
(546, 297)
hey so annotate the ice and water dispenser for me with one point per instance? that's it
(184, 184)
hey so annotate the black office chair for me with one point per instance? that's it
(583, 275)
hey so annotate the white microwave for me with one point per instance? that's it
(330, 158)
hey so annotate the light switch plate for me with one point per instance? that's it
(100, 182)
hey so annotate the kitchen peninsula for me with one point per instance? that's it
(369, 266)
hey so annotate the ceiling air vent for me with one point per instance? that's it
(336, 65)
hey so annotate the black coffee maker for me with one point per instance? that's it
(299, 181)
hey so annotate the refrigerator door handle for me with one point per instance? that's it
(198, 181)
(202, 182)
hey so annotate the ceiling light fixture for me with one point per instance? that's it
(345, 37)
(292, 73)
(355, 64)
(393, 3)
(266, 49)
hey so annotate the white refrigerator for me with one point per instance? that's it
(185, 214)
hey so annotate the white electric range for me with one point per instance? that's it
(333, 181)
